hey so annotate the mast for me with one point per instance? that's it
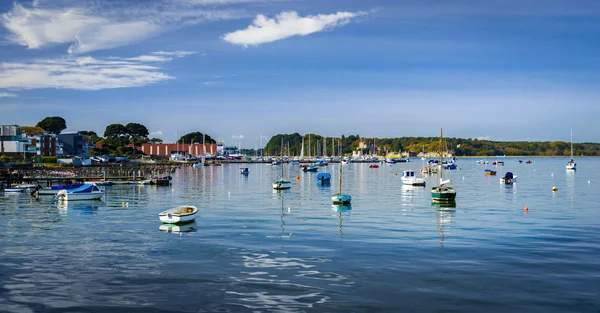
(341, 165)
(282, 157)
(571, 145)
(309, 155)
(441, 157)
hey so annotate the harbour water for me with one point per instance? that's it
(255, 250)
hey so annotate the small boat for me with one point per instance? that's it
(409, 178)
(85, 192)
(281, 184)
(498, 163)
(14, 189)
(528, 162)
(323, 178)
(443, 192)
(303, 165)
(310, 168)
(508, 178)
(520, 161)
(161, 181)
(197, 165)
(244, 171)
(180, 214)
(373, 166)
(341, 198)
(571, 165)
(489, 172)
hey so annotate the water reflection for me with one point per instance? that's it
(86, 207)
(341, 209)
(443, 219)
(571, 185)
(178, 228)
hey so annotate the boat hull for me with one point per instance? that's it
(443, 194)
(178, 214)
(341, 199)
(81, 196)
(14, 189)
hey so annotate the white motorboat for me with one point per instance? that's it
(52, 191)
(180, 214)
(409, 178)
(85, 192)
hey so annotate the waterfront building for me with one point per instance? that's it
(184, 149)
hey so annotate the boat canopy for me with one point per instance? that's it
(84, 189)
(323, 176)
(71, 186)
(508, 175)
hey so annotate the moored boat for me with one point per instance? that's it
(85, 192)
(508, 178)
(244, 171)
(180, 214)
(310, 168)
(571, 165)
(443, 192)
(323, 178)
(409, 178)
(52, 191)
(489, 172)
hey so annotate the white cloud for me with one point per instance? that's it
(91, 25)
(157, 133)
(7, 95)
(82, 73)
(285, 25)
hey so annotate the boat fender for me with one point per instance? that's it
(554, 189)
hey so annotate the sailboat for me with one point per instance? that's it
(444, 192)
(571, 165)
(281, 183)
(341, 198)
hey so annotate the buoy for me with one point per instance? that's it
(229, 193)
(526, 210)
(589, 182)
(554, 189)
(298, 177)
(289, 209)
(552, 174)
(123, 204)
(396, 174)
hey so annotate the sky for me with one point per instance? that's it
(245, 70)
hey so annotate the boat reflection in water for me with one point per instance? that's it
(443, 218)
(444, 206)
(86, 207)
(341, 208)
(178, 228)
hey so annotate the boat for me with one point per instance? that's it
(310, 168)
(85, 192)
(508, 178)
(489, 172)
(409, 178)
(197, 165)
(501, 156)
(282, 184)
(373, 166)
(341, 198)
(323, 178)
(443, 192)
(498, 163)
(528, 162)
(244, 171)
(14, 189)
(161, 180)
(180, 214)
(571, 165)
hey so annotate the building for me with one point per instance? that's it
(14, 142)
(168, 149)
(72, 143)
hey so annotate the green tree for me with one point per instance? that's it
(53, 124)
(196, 137)
(155, 140)
(115, 131)
(135, 131)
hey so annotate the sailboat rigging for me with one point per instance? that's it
(341, 198)
(443, 192)
(571, 165)
(281, 183)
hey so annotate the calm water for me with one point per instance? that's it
(253, 250)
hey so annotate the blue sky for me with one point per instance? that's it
(500, 70)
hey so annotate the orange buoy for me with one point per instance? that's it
(526, 209)
(297, 177)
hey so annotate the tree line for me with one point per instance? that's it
(292, 145)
